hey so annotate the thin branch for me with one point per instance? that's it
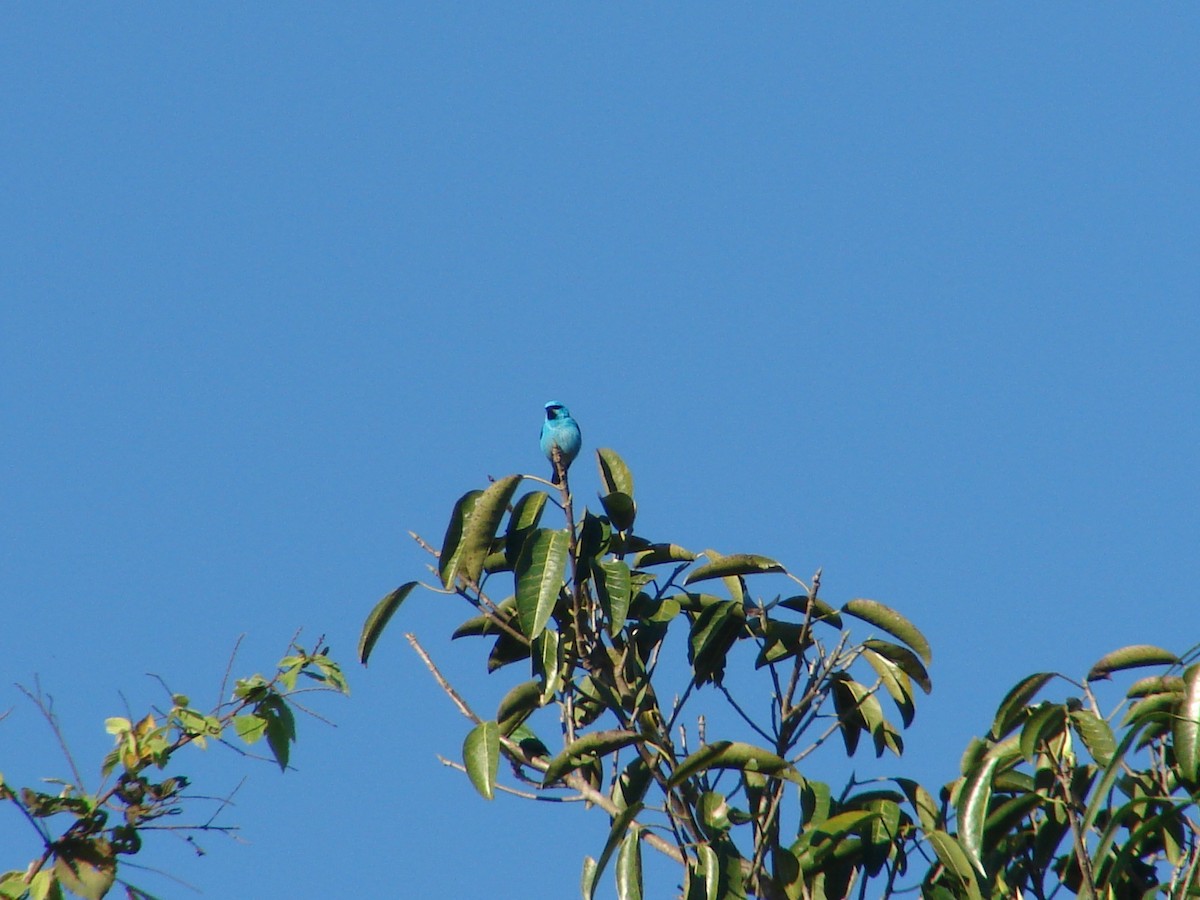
(46, 708)
(441, 680)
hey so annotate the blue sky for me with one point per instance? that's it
(909, 292)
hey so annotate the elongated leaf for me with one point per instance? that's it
(629, 866)
(587, 879)
(1096, 735)
(480, 527)
(1187, 726)
(714, 631)
(452, 545)
(657, 554)
(821, 611)
(956, 861)
(720, 566)
(526, 514)
(1012, 708)
(547, 662)
(378, 619)
(613, 472)
(973, 802)
(517, 704)
(904, 658)
(895, 681)
(1131, 657)
(620, 509)
(1046, 721)
(616, 835)
(922, 802)
(539, 577)
(892, 622)
(615, 589)
(481, 757)
(733, 755)
(590, 746)
(1155, 684)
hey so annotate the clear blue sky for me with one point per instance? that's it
(910, 292)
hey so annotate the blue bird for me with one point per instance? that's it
(561, 431)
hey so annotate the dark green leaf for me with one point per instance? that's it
(821, 611)
(480, 527)
(1131, 657)
(481, 757)
(733, 755)
(613, 472)
(714, 631)
(905, 659)
(657, 554)
(620, 508)
(1187, 727)
(956, 861)
(892, 622)
(616, 835)
(895, 681)
(378, 619)
(582, 750)
(526, 514)
(613, 586)
(1046, 722)
(452, 545)
(539, 578)
(629, 866)
(1011, 711)
(517, 705)
(1096, 735)
(720, 566)
(972, 809)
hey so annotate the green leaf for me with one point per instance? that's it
(616, 835)
(481, 757)
(615, 590)
(539, 578)
(547, 653)
(1155, 684)
(720, 566)
(1047, 721)
(1096, 735)
(1012, 708)
(657, 554)
(956, 862)
(713, 810)
(895, 681)
(714, 631)
(922, 802)
(620, 508)
(904, 658)
(1131, 657)
(1186, 730)
(480, 527)
(613, 472)
(972, 810)
(85, 867)
(587, 878)
(250, 728)
(448, 558)
(526, 514)
(378, 619)
(629, 866)
(733, 755)
(582, 750)
(517, 704)
(821, 611)
(892, 622)
(280, 727)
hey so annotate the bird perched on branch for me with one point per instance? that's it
(561, 431)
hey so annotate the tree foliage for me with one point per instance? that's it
(84, 834)
(585, 616)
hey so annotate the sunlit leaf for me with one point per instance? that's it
(973, 802)
(1012, 708)
(481, 757)
(720, 566)
(526, 514)
(956, 861)
(548, 660)
(620, 509)
(1131, 657)
(539, 578)
(614, 587)
(1046, 721)
(85, 867)
(1187, 726)
(657, 554)
(517, 704)
(629, 866)
(821, 611)
(480, 527)
(616, 834)
(1096, 735)
(452, 545)
(733, 755)
(588, 747)
(892, 622)
(378, 619)
(905, 659)
(895, 681)
(613, 472)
